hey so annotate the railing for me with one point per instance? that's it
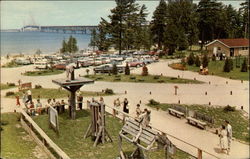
(41, 138)
(199, 150)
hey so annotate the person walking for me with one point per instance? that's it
(17, 101)
(117, 105)
(138, 111)
(223, 139)
(29, 96)
(39, 107)
(125, 106)
(229, 134)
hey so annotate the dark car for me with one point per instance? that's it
(60, 66)
(107, 69)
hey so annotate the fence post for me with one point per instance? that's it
(199, 154)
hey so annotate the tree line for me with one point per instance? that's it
(175, 25)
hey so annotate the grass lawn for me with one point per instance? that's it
(71, 139)
(43, 72)
(140, 78)
(11, 64)
(56, 93)
(216, 67)
(15, 142)
(238, 121)
(6, 86)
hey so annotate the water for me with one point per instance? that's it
(30, 42)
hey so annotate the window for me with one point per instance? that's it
(218, 48)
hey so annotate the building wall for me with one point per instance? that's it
(223, 48)
(244, 51)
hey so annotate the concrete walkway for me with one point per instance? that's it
(218, 94)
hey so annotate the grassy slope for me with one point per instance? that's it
(56, 93)
(139, 79)
(216, 67)
(43, 72)
(238, 122)
(13, 145)
(72, 142)
(5, 86)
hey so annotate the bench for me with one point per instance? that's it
(175, 113)
(196, 122)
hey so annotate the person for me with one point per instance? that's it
(29, 96)
(223, 139)
(39, 106)
(48, 104)
(117, 105)
(125, 106)
(229, 134)
(101, 100)
(17, 101)
(62, 105)
(201, 68)
(138, 111)
(79, 100)
(25, 97)
(53, 103)
(31, 108)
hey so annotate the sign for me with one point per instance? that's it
(25, 86)
(53, 119)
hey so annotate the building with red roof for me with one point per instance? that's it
(229, 47)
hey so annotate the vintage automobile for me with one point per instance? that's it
(107, 68)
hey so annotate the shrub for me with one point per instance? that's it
(156, 77)
(190, 59)
(161, 81)
(114, 69)
(197, 61)
(117, 79)
(133, 77)
(127, 70)
(108, 91)
(213, 57)
(229, 108)
(231, 64)
(205, 61)
(153, 102)
(144, 71)
(87, 71)
(244, 65)
(9, 94)
(183, 62)
(228, 66)
(141, 80)
(11, 84)
(38, 86)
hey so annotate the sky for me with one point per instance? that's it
(16, 14)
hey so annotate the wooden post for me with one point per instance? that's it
(73, 105)
(199, 154)
(176, 87)
(103, 122)
(72, 75)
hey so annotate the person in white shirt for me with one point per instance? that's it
(229, 134)
(29, 96)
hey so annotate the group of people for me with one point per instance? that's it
(117, 105)
(225, 136)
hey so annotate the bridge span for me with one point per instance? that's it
(72, 29)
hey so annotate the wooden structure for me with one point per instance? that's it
(72, 85)
(97, 128)
(146, 138)
(25, 86)
(177, 111)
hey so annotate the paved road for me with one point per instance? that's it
(218, 94)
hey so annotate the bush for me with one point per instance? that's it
(190, 59)
(117, 79)
(133, 77)
(161, 81)
(127, 70)
(197, 61)
(213, 57)
(228, 66)
(153, 102)
(144, 71)
(11, 84)
(108, 91)
(141, 80)
(244, 65)
(114, 69)
(156, 77)
(205, 61)
(183, 62)
(229, 108)
(38, 86)
(9, 94)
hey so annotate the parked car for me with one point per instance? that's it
(60, 66)
(42, 65)
(84, 63)
(136, 63)
(22, 61)
(107, 68)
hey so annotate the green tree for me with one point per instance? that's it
(144, 71)
(72, 45)
(190, 59)
(244, 14)
(244, 65)
(226, 67)
(197, 61)
(159, 23)
(127, 70)
(93, 39)
(205, 61)
(103, 43)
(114, 69)
(64, 48)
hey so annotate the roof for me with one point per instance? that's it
(231, 43)
(76, 82)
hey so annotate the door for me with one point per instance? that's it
(231, 51)
(215, 51)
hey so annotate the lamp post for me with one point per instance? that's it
(175, 87)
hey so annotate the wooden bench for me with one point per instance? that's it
(196, 122)
(175, 113)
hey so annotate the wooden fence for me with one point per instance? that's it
(51, 149)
